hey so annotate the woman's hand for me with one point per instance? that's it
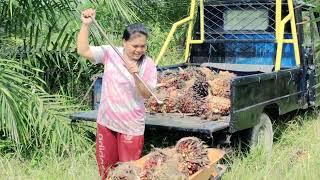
(87, 16)
(132, 67)
(142, 90)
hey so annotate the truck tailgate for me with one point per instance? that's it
(169, 121)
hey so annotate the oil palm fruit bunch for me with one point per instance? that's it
(200, 87)
(194, 154)
(220, 85)
(219, 105)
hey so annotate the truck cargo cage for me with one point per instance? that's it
(238, 21)
(247, 32)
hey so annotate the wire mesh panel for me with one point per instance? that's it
(241, 32)
(240, 20)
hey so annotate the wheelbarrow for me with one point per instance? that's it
(211, 171)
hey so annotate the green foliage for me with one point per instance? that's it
(32, 119)
(113, 15)
(19, 16)
(164, 12)
(46, 33)
(174, 53)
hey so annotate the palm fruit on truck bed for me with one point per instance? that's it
(194, 90)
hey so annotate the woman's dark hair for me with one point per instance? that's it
(134, 28)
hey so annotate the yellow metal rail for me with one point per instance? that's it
(280, 24)
(189, 39)
(189, 35)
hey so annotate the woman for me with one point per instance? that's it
(120, 123)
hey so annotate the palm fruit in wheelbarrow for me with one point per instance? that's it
(194, 154)
(189, 159)
(154, 160)
(124, 171)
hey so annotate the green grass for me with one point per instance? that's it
(77, 167)
(296, 156)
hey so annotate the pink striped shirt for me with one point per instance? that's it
(121, 107)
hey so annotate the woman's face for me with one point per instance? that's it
(136, 46)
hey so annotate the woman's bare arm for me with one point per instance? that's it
(83, 48)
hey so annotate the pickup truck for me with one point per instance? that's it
(245, 37)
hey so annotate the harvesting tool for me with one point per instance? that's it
(123, 59)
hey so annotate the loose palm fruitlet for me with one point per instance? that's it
(154, 160)
(194, 90)
(170, 169)
(124, 171)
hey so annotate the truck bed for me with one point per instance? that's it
(169, 121)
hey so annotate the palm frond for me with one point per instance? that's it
(30, 117)
(14, 91)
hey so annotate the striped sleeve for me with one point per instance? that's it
(99, 53)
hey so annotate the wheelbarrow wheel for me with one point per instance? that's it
(261, 135)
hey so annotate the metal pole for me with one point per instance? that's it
(120, 55)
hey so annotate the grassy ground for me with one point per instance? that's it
(296, 156)
(80, 167)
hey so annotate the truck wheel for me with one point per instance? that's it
(262, 134)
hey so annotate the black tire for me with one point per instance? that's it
(262, 134)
